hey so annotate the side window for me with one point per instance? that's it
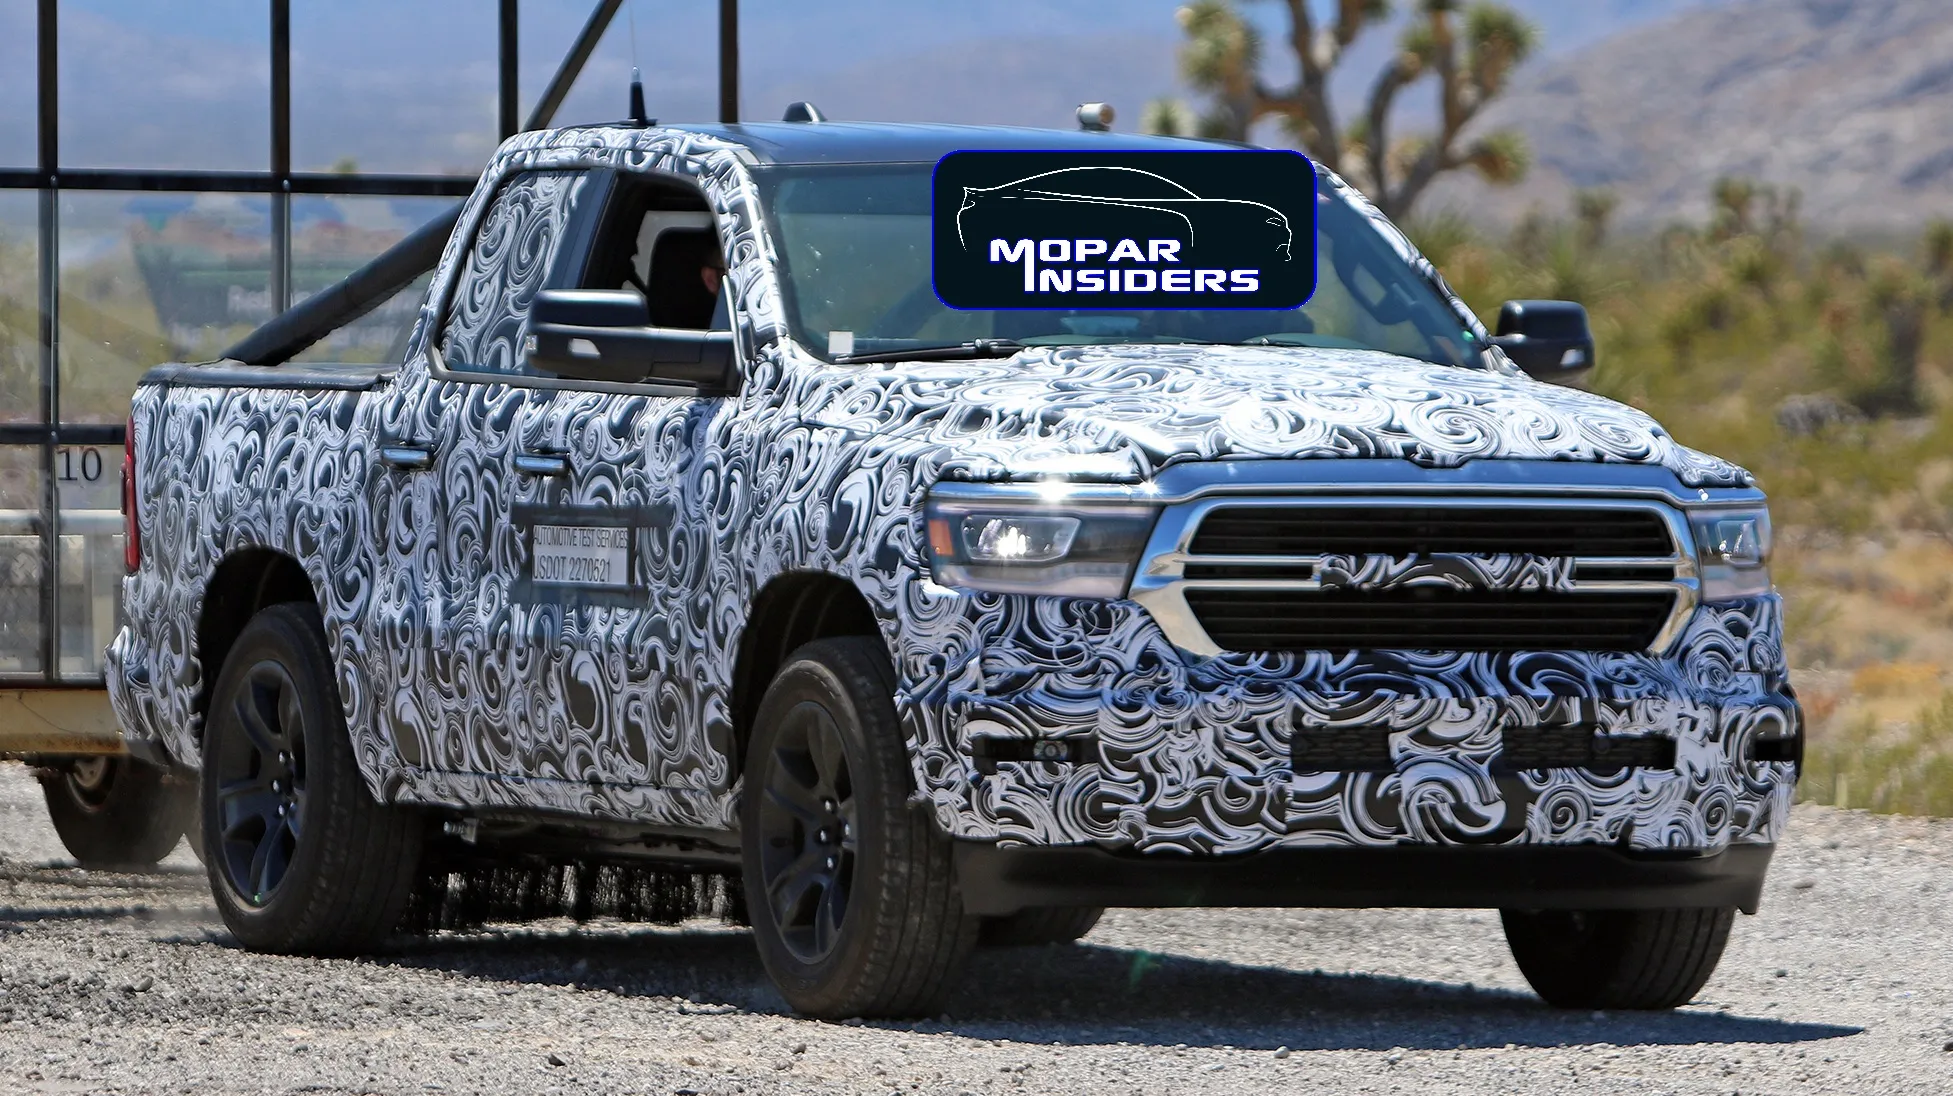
(513, 253)
(658, 238)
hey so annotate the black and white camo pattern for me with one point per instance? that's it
(489, 312)
(1459, 572)
(460, 690)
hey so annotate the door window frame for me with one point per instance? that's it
(567, 268)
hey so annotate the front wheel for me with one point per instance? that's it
(851, 892)
(301, 857)
(1617, 959)
(117, 811)
(1041, 925)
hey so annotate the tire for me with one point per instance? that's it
(275, 750)
(1040, 925)
(851, 892)
(117, 811)
(1617, 959)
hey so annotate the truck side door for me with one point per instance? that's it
(610, 564)
(457, 704)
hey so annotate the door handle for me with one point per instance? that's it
(542, 464)
(407, 458)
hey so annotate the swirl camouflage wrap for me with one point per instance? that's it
(518, 237)
(469, 683)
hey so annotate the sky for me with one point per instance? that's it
(410, 85)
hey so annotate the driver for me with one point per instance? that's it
(712, 270)
(687, 272)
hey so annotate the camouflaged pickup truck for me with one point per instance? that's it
(694, 531)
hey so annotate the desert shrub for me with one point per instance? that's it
(1905, 768)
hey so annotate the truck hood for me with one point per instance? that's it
(1125, 412)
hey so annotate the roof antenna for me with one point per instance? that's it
(637, 101)
(638, 117)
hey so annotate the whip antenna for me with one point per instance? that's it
(638, 116)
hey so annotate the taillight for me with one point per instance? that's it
(131, 527)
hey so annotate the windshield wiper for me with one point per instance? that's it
(975, 348)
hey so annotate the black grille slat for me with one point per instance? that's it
(1357, 748)
(1259, 571)
(1365, 748)
(1524, 748)
(1401, 530)
(1642, 572)
(1428, 619)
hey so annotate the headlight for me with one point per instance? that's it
(1025, 545)
(1732, 551)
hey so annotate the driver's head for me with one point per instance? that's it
(712, 269)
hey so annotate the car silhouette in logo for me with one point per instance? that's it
(1120, 202)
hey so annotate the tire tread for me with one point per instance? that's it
(140, 824)
(1626, 959)
(1041, 925)
(921, 936)
(368, 852)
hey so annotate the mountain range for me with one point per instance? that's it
(1850, 102)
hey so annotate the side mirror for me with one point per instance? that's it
(1548, 339)
(606, 335)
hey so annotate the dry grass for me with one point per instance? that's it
(1889, 767)
(1871, 646)
(1712, 330)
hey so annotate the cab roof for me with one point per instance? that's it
(904, 142)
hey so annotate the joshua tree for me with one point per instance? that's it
(1744, 207)
(1897, 298)
(1939, 262)
(1168, 116)
(1594, 208)
(1471, 64)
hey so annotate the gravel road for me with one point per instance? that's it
(128, 984)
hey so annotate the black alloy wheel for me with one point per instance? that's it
(89, 781)
(260, 778)
(302, 858)
(808, 842)
(850, 887)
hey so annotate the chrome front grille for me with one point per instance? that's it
(1464, 574)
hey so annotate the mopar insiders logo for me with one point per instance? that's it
(1126, 230)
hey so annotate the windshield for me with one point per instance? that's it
(855, 266)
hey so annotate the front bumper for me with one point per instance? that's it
(998, 880)
(1165, 753)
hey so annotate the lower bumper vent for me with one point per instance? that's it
(1361, 749)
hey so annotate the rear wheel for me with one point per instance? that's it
(851, 892)
(117, 811)
(301, 857)
(1041, 925)
(1617, 959)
